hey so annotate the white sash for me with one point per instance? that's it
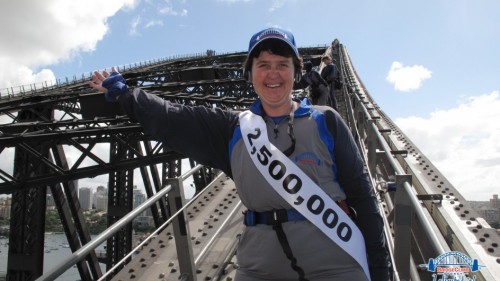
(311, 201)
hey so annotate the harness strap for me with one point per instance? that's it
(288, 250)
(276, 218)
(252, 218)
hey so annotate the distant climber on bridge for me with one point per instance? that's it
(330, 73)
(318, 92)
(335, 47)
(312, 212)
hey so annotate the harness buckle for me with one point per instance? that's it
(276, 217)
(250, 218)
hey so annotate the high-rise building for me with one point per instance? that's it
(493, 213)
(50, 200)
(5, 211)
(101, 188)
(101, 199)
(495, 202)
(492, 216)
(85, 197)
(138, 198)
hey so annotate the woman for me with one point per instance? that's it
(306, 148)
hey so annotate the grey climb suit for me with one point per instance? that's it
(325, 151)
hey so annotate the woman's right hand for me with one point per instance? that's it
(112, 85)
(98, 78)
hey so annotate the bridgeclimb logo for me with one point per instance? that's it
(453, 266)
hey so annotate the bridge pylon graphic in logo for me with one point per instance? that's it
(453, 266)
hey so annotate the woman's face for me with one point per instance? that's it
(272, 79)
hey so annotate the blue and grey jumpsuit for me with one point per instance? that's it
(325, 151)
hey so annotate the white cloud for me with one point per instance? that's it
(153, 9)
(234, 1)
(276, 4)
(133, 26)
(463, 143)
(154, 23)
(15, 75)
(168, 9)
(407, 78)
(41, 33)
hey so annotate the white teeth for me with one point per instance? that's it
(273, 85)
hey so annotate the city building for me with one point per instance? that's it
(495, 202)
(489, 210)
(101, 199)
(85, 197)
(50, 202)
(5, 211)
(138, 198)
(5, 204)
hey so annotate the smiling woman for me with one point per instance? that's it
(295, 167)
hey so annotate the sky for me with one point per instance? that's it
(432, 66)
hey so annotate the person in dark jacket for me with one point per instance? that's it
(296, 167)
(319, 91)
(330, 73)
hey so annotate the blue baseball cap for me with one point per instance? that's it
(273, 33)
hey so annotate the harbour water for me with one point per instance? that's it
(56, 251)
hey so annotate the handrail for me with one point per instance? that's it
(20, 90)
(404, 188)
(365, 155)
(407, 187)
(81, 253)
(414, 201)
(145, 241)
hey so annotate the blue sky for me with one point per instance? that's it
(432, 66)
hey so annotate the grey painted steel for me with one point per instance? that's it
(448, 225)
(402, 227)
(212, 234)
(410, 202)
(216, 234)
(412, 196)
(181, 231)
(159, 229)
